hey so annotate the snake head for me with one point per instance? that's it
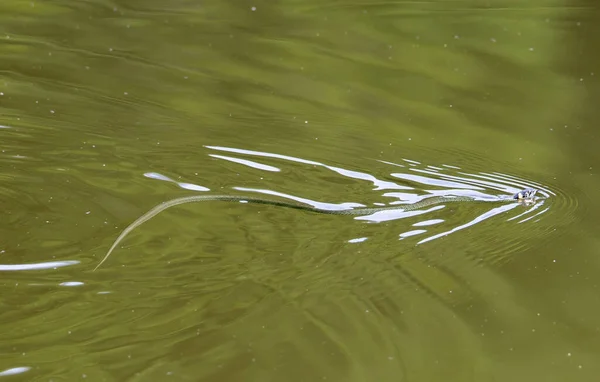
(526, 194)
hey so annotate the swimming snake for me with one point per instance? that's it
(527, 195)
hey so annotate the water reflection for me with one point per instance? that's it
(421, 183)
(37, 266)
(185, 186)
(14, 371)
(239, 292)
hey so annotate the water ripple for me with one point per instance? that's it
(248, 163)
(186, 186)
(432, 181)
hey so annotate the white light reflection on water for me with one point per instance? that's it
(531, 217)
(521, 182)
(395, 214)
(480, 218)
(425, 223)
(469, 182)
(439, 181)
(37, 266)
(434, 182)
(71, 283)
(379, 184)
(533, 208)
(412, 233)
(14, 371)
(358, 240)
(186, 186)
(317, 205)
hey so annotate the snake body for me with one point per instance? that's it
(525, 195)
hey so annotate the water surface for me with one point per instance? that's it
(110, 108)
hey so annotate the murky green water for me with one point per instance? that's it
(109, 108)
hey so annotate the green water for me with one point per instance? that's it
(108, 108)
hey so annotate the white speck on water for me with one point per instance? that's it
(88, 212)
(357, 240)
(253, 9)
(493, 39)
(52, 111)
(456, 37)
(305, 121)
(125, 93)
(568, 354)
(531, 49)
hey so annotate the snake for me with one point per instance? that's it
(525, 196)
